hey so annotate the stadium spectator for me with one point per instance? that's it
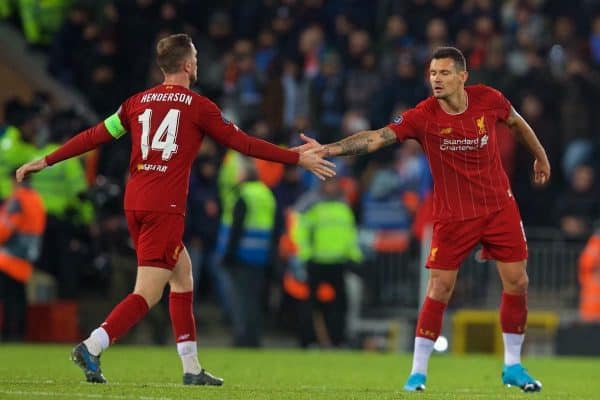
(17, 140)
(290, 188)
(456, 127)
(6, 9)
(64, 192)
(41, 20)
(327, 241)
(22, 222)
(534, 207)
(202, 227)
(578, 206)
(403, 87)
(246, 248)
(589, 279)
(155, 200)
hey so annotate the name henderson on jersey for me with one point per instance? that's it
(180, 97)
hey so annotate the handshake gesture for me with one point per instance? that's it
(312, 155)
(311, 158)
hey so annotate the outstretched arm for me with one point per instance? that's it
(79, 144)
(525, 134)
(361, 143)
(228, 134)
(310, 160)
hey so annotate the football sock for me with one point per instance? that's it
(429, 327)
(125, 315)
(512, 348)
(184, 330)
(97, 342)
(422, 352)
(188, 352)
(513, 319)
(182, 316)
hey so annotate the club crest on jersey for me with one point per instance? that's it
(397, 120)
(481, 129)
(445, 131)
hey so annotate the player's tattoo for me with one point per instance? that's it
(387, 135)
(355, 144)
(362, 142)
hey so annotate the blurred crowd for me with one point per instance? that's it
(327, 68)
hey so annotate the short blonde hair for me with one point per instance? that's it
(172, 51)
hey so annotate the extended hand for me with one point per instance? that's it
(313, 161)
(30, 167)
(541, 172)
(309, 144)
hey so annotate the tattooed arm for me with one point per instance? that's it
(361, 143)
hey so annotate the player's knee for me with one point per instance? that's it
(182, 280)
(517, 284)
(440, 290)
(151, 297)
(182, 284)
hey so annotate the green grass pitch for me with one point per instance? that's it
(153, 373)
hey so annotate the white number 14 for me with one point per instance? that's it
(164, 137)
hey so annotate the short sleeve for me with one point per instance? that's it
(406, 125)
(502, 104)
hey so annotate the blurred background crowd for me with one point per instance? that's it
(327, 68)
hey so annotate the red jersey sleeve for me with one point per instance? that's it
(501, 103)
(406, 125)
(228, 134)
(80, 143)
(111, 128)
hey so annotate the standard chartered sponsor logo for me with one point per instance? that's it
(464, 144)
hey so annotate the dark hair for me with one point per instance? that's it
(451, 52)
(172, 51)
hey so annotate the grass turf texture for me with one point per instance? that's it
(152, 373)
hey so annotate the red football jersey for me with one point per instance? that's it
(468, 177)
(167, 124)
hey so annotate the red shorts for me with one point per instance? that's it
(501, 234)
(156, 237)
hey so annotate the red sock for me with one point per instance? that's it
(429, 325)
(125, 315)
(182, 316)
(513, 313)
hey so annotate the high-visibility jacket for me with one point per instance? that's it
(60, 186)
(14, 152)
(255, 242)
(326, 231)
(228, 180)
(22, 224)
(589, 280)
(6, 8)
(42, 19)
